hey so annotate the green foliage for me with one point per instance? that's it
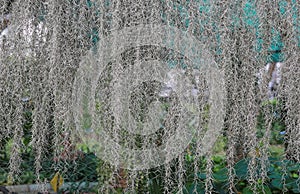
(273, 183)
(274, 107)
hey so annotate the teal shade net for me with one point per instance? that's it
(276, 55)
(249, 18)
(252, 21)
(296, 19)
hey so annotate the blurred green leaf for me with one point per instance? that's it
(241, 169)
(247, 190)
(202, 175)
(277, 184)
(221, 175)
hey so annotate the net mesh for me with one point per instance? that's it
(144, 96)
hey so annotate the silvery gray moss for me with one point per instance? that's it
(43, 44)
